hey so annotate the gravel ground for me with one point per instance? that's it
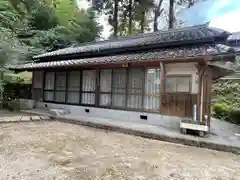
(55, 150)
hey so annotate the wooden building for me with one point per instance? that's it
(157, 77)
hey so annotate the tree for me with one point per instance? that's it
(8, 15)
(157, 13)
(125, 16)
(84, 27)
(187, 3)
(109, 8)
(30, 27)
(64, 10)
(130, 16)
(142, 10)
(171, 14)
(43, 18)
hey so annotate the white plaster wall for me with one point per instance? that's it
(184, 69)
(153, 119)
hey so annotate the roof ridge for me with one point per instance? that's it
(141, 35)
(197, 32)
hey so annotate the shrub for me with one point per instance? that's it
(13, 105)
(221, 111)
(234, 116)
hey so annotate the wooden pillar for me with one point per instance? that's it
(33, 90)
(201, 70)
(207, 92)
(210, 81)
(162, 85)
(97, 90)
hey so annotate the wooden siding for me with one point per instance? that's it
(178, 104)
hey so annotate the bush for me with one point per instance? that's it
(221, 111)
(234, 116)
(13, 105)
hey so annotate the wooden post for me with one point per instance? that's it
(162, 84)
(1, 86)
(207, 95)
(199, 95)
(97, 90)
(201, 70)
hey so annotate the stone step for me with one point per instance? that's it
(23, 118)
(59, 112)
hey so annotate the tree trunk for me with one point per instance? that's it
(142, 23)
(115, 19)
(171, 14)
(155, 22)
(130, 17)
(157, 12)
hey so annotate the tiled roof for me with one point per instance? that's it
(234, 36)
(163, 54)
(161, 38)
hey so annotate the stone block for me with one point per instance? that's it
(34, 118)
(25, 118)
(59, 112)
(44, 117)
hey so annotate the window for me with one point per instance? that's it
(152, 90)
(119, 88)
(60, 92)
(105, 87)
(37, 79)
(49, 86)
(113, 92)
(73, 91)
(37, 85)
(88, 87)
(135, 88)
(178, 83)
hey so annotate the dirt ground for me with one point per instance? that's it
(55, 150)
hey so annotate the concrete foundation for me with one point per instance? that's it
(149, 118)
(27, 103)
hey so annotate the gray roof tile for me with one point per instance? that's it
(164, 54)
(160, 38)
(234, 36)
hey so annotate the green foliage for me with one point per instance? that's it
(43, 18)
(234, 116)
(221, 110)
(226, 100)
(13, 105)
(83, 27)
(30, 27)
(227, 92)
(65, 11)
